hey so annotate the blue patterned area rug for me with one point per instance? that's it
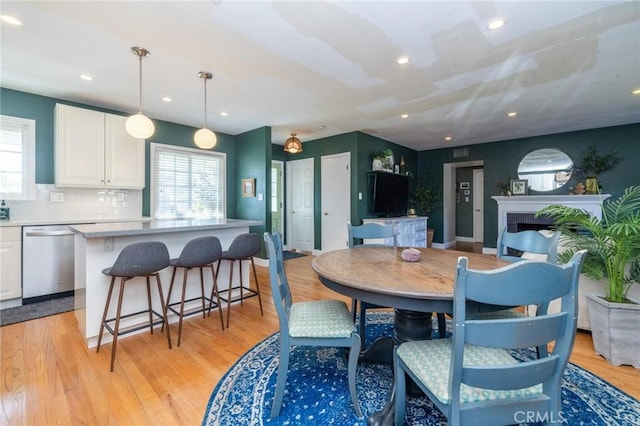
(317, 392)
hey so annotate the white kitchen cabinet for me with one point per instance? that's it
(10, 262)
(411, 231)
(93, 150)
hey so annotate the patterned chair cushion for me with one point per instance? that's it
(320, 318)
(429, 360)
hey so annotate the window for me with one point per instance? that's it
(17, 158)
(187, 183)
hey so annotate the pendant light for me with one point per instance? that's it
(138, 125)
(293, 145)
(205, 138)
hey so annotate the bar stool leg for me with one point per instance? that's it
(106, 309)
(204, 313)
(163, 306)
(241, 283)
(149, 303)
(214, 291)
(173, 276)
(184, 291)
(116, 330)
(229, 293)
(255, 278)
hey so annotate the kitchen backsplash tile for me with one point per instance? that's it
(78, 203)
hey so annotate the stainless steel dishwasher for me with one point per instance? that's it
(47, 262)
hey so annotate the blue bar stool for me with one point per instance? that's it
(144, 259)
(198, 253)
(243, 247)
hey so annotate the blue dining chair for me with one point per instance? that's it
(522, 242)
(491, 386)
(309, 323)
(376, 231)
(527, 241)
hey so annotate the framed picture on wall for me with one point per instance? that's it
(248, 187)
(519, 187)
(464, 185)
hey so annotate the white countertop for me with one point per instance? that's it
(100, 230)
(69, 221)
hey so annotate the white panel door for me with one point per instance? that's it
(336, 200)
(277, 196)
(300, 205)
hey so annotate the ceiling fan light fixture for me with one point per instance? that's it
(293, 145)
(138, 125)
(205, 138)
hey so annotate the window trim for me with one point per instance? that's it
(28, 191)
(166, 147)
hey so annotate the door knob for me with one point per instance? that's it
(293, 212)
(326, 213)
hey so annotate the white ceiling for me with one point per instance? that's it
(299, 65)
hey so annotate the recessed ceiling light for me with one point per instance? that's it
(166, 99)
(10, 20)
(448, 138)
(224, 114)
(86, 77)
(495, 24)
(512, 114)
(403, 60)
(636, 92)
(404, 115)
(321, 127)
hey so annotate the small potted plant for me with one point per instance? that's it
(613, 257)
(593, 164)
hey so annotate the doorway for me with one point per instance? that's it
(449, 200)
(335, 173)
(300, 205)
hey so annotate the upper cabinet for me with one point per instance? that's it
(93, 150)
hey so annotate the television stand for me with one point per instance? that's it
(412, 231)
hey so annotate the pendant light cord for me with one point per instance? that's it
(140, 82)
(205, 102)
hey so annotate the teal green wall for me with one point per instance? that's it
(254, 162)
(361, 147)
(501, 161)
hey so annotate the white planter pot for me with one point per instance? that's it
(376, 164)
(614, 329)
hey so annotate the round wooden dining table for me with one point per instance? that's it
(415, 290)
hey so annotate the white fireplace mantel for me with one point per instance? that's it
(533, 203)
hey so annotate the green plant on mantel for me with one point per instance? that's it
(593, 164)
(425, 196)
(504, 186)
(612, 243)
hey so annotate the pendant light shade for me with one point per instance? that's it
(293, 145)
(138, 125)
(205, 138)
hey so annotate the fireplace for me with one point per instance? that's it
(517, 213)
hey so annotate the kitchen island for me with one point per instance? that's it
(96, 247)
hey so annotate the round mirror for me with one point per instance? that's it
(545, 169)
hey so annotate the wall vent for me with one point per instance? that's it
(460, 152)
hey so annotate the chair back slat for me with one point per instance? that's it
(513, 376)
(527, 241)
(371, 231)
(522, 283)
(280, 290)
(518, 333)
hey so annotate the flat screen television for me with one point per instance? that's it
(390, 194)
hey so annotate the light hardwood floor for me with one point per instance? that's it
(48, 375)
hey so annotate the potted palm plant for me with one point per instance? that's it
(613, 257)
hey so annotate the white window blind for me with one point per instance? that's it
(17, 158)
(187, 183)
